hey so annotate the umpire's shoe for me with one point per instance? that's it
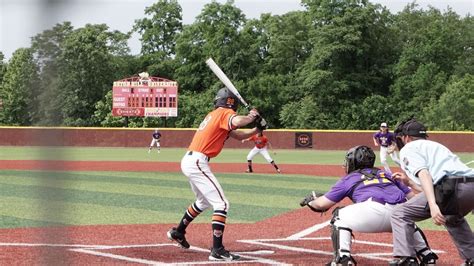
(404, 261)
(221, 254)
(177, 237)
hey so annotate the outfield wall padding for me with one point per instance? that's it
(122, 137)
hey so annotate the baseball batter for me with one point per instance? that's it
(375, 194)
(429, 163)
(207, 143)
(261, 144)
(384, 138)
(155, 140)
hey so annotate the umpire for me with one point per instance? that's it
(448, 186)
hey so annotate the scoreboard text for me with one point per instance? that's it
(145, 96)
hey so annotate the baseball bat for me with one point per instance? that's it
(224, 79)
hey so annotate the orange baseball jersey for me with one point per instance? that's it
(260, 142)
(213, 132)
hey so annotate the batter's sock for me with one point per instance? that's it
(249, 164)
(274, 165)
(218, 225)
(192, 212)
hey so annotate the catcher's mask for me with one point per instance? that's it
(225, 98)
(409, 127)
(359, 157)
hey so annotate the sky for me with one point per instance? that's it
(22, 19)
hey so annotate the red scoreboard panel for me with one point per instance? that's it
(145, 96)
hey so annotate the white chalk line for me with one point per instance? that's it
(309, 230)
(94, 250)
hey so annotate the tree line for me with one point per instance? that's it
(347, 64)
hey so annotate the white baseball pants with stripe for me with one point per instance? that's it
(204, 184)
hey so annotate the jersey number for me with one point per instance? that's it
(375, 180)
(205, 122)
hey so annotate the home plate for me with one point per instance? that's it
(257, 252)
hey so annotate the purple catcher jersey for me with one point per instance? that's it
(380, 189)
(384, 139)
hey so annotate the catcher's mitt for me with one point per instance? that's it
(391, 148)
(310, 197)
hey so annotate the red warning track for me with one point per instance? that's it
(297, 237)
(304, 169)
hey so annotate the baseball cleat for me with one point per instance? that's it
(468, 262)
(248, 171)
(221, 254)
(428, 260)
(279, 171)
(343, 261)
(178, 237)
(404, 261)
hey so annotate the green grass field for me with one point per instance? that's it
(34, 198)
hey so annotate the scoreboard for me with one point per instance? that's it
(145, 96)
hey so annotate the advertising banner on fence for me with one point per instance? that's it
(303, 140)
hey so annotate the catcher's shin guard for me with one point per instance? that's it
(341, 241)
(425, 255)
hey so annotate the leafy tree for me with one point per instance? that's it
(158, 32)
(432, 44)
(347, 61)
(47, 48)
(303, 114)
(3, 66)
(19, 89)
(455, 108)
(369, 112)
(215, 33)
(193, 107)
(103, 113)
(87, 71)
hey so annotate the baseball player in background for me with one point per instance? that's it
(207, 143)
(156, 136)
(375, 195)
(386, 140)
(438, 172)
(261, 144)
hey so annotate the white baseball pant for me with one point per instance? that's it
(208, 191)
(263, 151)
(155, 141)
(367, 217)
(383, 158)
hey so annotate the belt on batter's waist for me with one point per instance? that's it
(200, 154)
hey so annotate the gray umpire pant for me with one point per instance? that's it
(414, 210)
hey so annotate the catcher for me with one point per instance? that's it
(375, 194)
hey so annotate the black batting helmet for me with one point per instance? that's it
(359, 157)
(225, 98)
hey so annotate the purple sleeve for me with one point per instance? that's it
(338, 191)
(403, 187)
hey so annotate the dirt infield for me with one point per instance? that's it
(297, 237)
(304, 169)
